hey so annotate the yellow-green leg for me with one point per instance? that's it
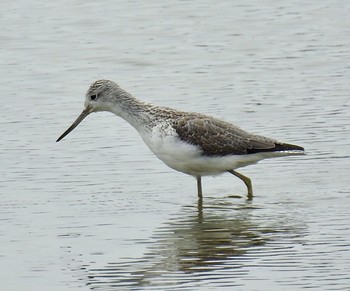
(246, 181)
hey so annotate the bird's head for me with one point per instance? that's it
(101, 96)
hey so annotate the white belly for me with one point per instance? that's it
(188, 158)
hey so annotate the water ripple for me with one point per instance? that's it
(207, 244)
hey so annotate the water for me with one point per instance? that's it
(98, 211)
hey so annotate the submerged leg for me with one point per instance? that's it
(199, 186)
(246, 181)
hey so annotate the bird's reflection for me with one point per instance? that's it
(216, 236)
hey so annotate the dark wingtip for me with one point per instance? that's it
(288, 147)
(279, 147)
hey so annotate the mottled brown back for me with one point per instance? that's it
(219, 138)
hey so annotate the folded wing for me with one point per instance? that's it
(217, 138)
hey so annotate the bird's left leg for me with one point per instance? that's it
(246, 181)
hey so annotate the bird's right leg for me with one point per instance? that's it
(199, 186)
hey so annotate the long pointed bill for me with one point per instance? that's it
(80, 118)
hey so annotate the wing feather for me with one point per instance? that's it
(219, 138)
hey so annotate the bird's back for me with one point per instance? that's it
(219, 138)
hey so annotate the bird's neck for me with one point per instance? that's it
(132, 110)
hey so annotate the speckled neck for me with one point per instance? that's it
(135, 112)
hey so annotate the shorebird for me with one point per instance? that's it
(189, 142)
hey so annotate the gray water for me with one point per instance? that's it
(98, 211)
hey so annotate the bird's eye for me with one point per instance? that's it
(93, 97)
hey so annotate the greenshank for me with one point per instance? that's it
(189, 142)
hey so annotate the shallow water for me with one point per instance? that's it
(99, 211)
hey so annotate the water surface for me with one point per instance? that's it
(99, 211)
